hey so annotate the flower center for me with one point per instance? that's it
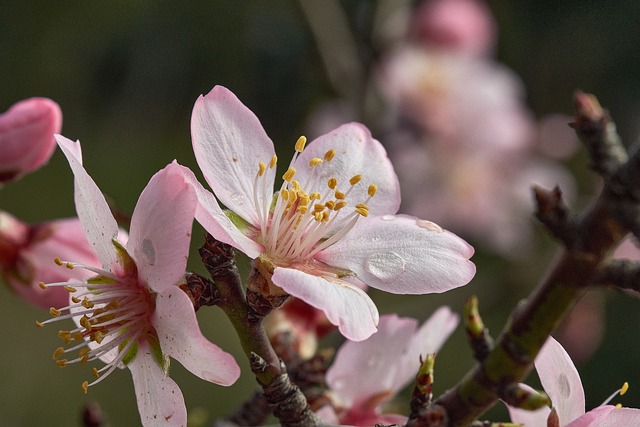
(302, 219)
(112, 313)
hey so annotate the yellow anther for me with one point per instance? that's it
(339, 205)
(59, 352)
(83, 351)
(330, 204)
(618, 405)
(315, 161)
(355, 179)
(288, 175)
(362, 206)
(97, 337)
(78, 336)
(318, 207)
(300, 143)
(362, 211)
(340, 195)
(304, 200)
(69, 289)
(61, 363)
(55, 312)
(84, 359)
(332, 183)
(96, 373)
(624, 388)
(273, 162)
(284, 195)
(372, 190)
(317, 216)
(302, 209)
(75, 300)
(329, 155)
(261, 168)
(86, 303)
(69, 266)
(39, 324)
(296, 185)
(65, 336)
(315, 196)
(42, 285)
(57, 261)
(325, 216)
(85, 387)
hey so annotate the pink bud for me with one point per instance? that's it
(462, 25)
(27, 253)
(26, 136)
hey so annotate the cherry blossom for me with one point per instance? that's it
(330, 226)
(26, 136)
(132, 311)
(27, 251)
(365, 375)
(561, 381)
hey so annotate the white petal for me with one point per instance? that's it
(561, 381)
(180, 337)
(344, 304)
(229, 142)
(92, 208)
(160, 401)
(403, 255)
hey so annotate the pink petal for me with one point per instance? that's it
(91, 206)
(356, 153)
(597, 416)
(561, 381)
(403, 255)
(26, 136)
(345, 305)
(180, 337)
(229, 142)
(621, 417)
(160, 401)
(212, 218)
(429, 338)
(536, 418)
(370, 367)
(161, 228)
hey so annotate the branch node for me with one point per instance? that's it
(478, 334)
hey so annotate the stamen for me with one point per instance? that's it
(288, 175)
(355, 179)
(329, 155)
(340, 195)
(55, 312)
(372, 190)
(261, 168)
(332, 183)
(272, 163)
(300, 143)
(42, 285)
(621, 391)
(315, 162)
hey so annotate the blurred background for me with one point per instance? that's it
(467, 108)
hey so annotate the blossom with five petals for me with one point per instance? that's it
(132, 311)
(367, 374)
(561, 381)
(330, 227)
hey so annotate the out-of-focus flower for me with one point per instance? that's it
(457, 25)
(330, 225)
(366, 375)
(132, 311)
(27, 253)
(26, 136)
(560, 380)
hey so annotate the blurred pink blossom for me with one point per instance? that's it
(27, 253)
(26, 136)
(366, 375)
(458, 25)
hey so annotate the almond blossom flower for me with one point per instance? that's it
(365, 375)
(330, 226)
(132, 311)
(560, 380)
(26, 136)
(26, 252)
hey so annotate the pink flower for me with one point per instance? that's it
(560, 380)
(26, 136)
(132, 311)
(367, 374)
(329, 226)
(27, 253)
(457, 25)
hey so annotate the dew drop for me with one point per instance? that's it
(563, 386)
(385, 266)
(388, 217)
(431, 226)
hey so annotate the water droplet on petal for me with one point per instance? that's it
(388, 217)
(431, 226)
(385, 266)
(563, 386)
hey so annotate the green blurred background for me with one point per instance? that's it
(126, 74)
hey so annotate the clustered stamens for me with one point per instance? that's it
(112, 314)
(304, 222)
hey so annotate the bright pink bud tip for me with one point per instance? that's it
(26, 136)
